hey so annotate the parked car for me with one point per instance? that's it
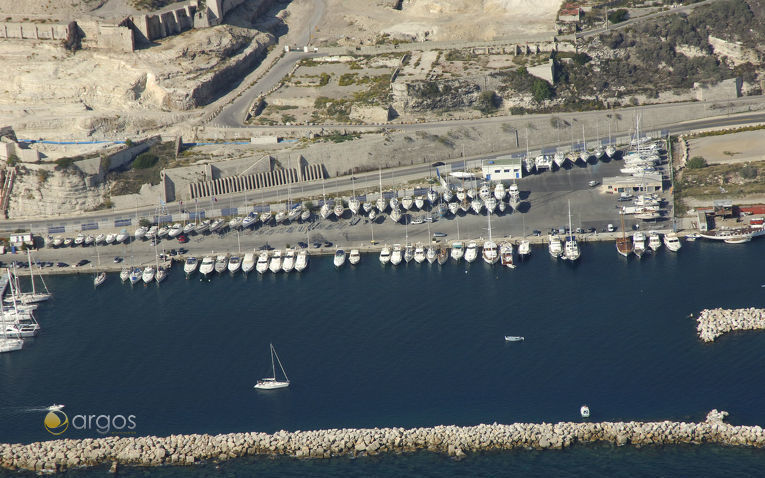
(82, 263)
(182, 250)
(327, 244)
(117, 260)
(183, 239)
(593, 183)
(610, 228)
(302, 245)
(536, 232)
(62, 264)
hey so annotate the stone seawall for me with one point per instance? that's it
(713, 323)
(452, 440)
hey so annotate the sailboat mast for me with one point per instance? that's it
(31, 272)
(570, 235)
(273, 366)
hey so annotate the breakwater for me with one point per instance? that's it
(713, 323)
(455, 441)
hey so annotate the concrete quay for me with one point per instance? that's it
(713, 323)
(59, 455)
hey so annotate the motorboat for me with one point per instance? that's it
(524, 247)
(506, 254)
(122, 236)
(471, 251)
(484, 192)
(301, 263)
(555, 247)
(431, 254)
(150, 234)
(265, 217)
(235, 222)
(408, 252)
(443, 255)
(79, 239)
(458, 250)
(10, 344)
(419, 202)
(55, 407)
(354, 257)
(638, 242)
(500, 191)
(248, 264)
(202, 227)
(135, 275)
(124, 274)
(654, 240)
(543, 161)
(190, 265)
(294, 213)
(288, 263)
(385, 255)
(163, 231)
(262, 265)
(514, 338)
(58, 241)
(584, 411)
(490, 252)
(692, 236)
(234, 264)
(175, 230)
(397, 255)
(339, 208)
(207, 266)
(249, 220)
(89, 240)
(110, 238)
(672, 242)
(275, 265)
(419, 253)
(407, 202)
(148, 274)
(454, 207)
(217, 225)
(339, 259)
(272, 383)
(68, 242)
(100, 239)
(189, 228)
(221, 263)
(305, 215)
(280, 217)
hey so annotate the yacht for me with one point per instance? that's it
(339, 207)
(431, 254)
(408, 252)
(301, 263)
(458, 250)
(354, 257)
(265, 217)
(249, 220)
(500, 192)
(419, 253)
(234, 264)
(354, 205)
(396, 256)
(638, 241)
(506, 254)
(471, 251)
(654, 240)
(443, 255)
(175, 230)
(148, 274)
(109, 238)
(58, 241)
(339, 259)
(276, 262)
(221, 263)
(207, 266)
(524, 248)
(79, 239)
(135, 275)
(89, 240)
(571, 251)
(385, 255)
(555, 247)
(189, 228)
(272, 383)
(248, 264)
(288, 264)
(190, 266)
(514, 196)
(407, 202)
(672, 242)
(262, 265)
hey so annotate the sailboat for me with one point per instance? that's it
(571, 250)
(99, 277)
(276, 262)
(271, 383)
(524, 247)
(354, 257)
(623, 244)
(29, 297)
(506, 254)
(490, 253)
(443, 255)
(381, 204)
(325, 210)
(514, 196)
(555, 247)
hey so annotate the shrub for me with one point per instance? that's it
(487, 103)
(145, 160)
(541, 90)
(618, 16)
(64, 163)
(324, 79)
(581, 58)
(696, 162)
(12, 160)
(748, 172)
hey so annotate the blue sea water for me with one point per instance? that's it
(416, 345)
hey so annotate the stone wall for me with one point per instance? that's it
(724, 90)
(33, 31)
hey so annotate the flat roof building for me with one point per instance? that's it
(645, 183)
(503, 168)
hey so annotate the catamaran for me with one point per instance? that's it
(272, 383)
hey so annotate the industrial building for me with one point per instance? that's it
(502, 168)
(647, 183)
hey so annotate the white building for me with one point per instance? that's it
(502, 168)
(647, 183)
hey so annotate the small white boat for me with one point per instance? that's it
(381, 204)
(234, 222)
(10, 344)
(506, 255)
(288, 264)
(514, 196)
(339, 259)
(249, 221)
(490, 252)
(150, 234)
(262, 265)
(265, 217)
(431, 254)
(135, 275)
(454, 207)
(514, 338)
(638, 242)
(692, 237)
(339, 208)
(397, 255)
(372, 215)
(161, 274)
(234, 264)
(221, 263)
(109, 238)
(124, 274)
(217, 225)
(476, 205)
(276, 262)
(163, 231)
(419, 202)
(301, 263)
(122, 236)
(367, 207)
(175, 230)
(500, 192)
(68, 241)
(491, 204)
(272, 383)
(305, 215)
(190, 265)
(419, 253)
(202, 227)
(672, 242)
(101, 238)
(448, 195)
(189, 228)
(458, 250)
(79, 239)
(56, 407)
(584, 411)
(484, 192)
(654, 240)
(555, 248)
(524, 248)
(385, 255)
(471, 251)
(354, 205)
(395, 215)
(148, 274)
(610, 151)
(432, 196)
(99, 279)
(58, 241)
(407, 202)
(280, 217)
(207, 266)
(408, 252)
(354, 257)
(248, 263)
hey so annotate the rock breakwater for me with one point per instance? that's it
(455, 441)
(713, 323)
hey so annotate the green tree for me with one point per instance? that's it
(618, 16)
(541, 90)
(145, 160)
(487, 103)
(696, 162)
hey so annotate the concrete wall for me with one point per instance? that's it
(33, 31)
(165, 23)
(25, 155)
(724, 90)
(544, 71)
(735, 51)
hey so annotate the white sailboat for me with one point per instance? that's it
(395, 214)
(514, 196)
(490, 253)
(407, 202)
(271, 383)
(135, 275)
(148, 274)
(339, 209)
(571, 250)
(34, 296)
(419, 253)
(99, 277)
(500, 191)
